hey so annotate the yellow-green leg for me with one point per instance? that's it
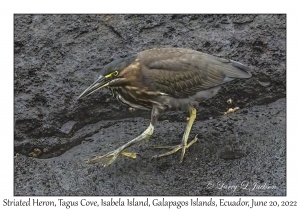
(184, 145)
(110, 157)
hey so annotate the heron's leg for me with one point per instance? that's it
(183, 144)
(110, 157)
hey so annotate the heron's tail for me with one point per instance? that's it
(237, 70)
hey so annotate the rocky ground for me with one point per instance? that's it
(57, 56)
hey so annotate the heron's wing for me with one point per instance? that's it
(182, 72)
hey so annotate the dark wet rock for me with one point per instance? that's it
(255, 149)
(67, 127)
(57, 56)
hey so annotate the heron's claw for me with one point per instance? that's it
(176, 148)
(110, 157)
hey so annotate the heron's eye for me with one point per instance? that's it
(115, 73)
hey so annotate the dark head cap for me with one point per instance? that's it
(108, 74)
(117, 65)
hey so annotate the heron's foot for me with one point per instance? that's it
(175, 148)
(110, 157)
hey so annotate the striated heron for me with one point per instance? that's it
(164, 79)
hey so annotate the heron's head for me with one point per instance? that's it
(109, 75)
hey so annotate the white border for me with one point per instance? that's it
(8, 8)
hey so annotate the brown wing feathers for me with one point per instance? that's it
(184, 72)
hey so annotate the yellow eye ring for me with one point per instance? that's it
(115, 73)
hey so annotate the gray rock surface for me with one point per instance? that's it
(57, 56)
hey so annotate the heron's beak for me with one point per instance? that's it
(98, 84)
